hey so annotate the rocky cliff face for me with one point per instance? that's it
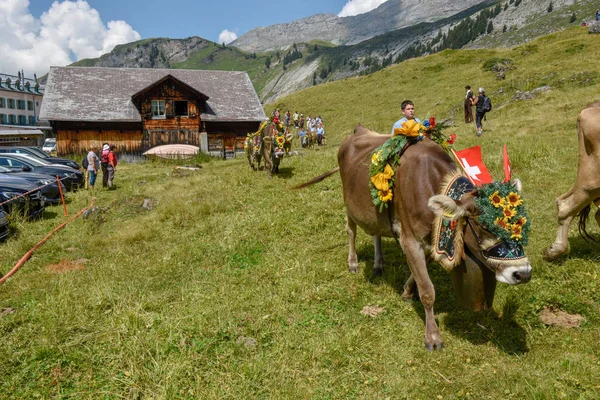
(150, 53)
(389, 16)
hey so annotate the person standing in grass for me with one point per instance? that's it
(296, 116)
(93, 166)
(479, 110)
(408, 112)
(469, 105)
(320, 134)
(112, 165)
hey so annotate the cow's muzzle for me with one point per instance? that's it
(514, 275)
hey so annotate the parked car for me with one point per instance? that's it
(3, 225)
(19, 162)
(49, 146)
(34, 151)
(31, 205)
(47, 184)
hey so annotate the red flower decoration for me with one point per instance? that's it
(451, 139)
(432, 122)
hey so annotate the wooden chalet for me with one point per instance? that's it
(139, 108)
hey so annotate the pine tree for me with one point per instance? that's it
(550, 7)
(490, 27)
(573, 18)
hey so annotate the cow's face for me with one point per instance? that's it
(505, 257)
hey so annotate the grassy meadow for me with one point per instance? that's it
(234, 286)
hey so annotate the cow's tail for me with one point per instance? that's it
(317, 179)
(583, 216)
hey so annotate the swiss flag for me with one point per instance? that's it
(472, 163)
(507, 170)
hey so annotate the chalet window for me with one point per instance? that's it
(20, 104)
(11, 103)
(30, 105)
(181, 108)
(22, 120)
(32, 121)
(12, 119)
(158, 109)
(2, 102)
(2, 119)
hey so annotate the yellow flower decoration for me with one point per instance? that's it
(388, 171)
(508, 212)
(410, 128)
(385, 195)
(516, 232)
(375, 157)
(380, 182)
(502, 223)
(497, 200)
(514, 199)
(521, 222)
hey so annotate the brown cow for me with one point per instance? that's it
(423, 169)
(587, 185)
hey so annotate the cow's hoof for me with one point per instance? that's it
(553, 255)
(377, 271)
(353, 268)
(434, 346)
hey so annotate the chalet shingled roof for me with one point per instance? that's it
(105, 94)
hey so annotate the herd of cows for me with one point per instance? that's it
(423, 170)
(30, 179)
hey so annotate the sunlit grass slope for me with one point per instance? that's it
(234, 286)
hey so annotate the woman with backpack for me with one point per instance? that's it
(482, 105)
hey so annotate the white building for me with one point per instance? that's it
(20, 102)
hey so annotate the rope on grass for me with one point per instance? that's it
(27, 255)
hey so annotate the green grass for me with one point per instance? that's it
(168, 299)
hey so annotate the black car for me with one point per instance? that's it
(20, 162)
(31, 204)
(34, 151)
(48, 185)
(3, 225)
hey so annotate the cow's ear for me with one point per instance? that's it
(446, 207)
(518, 184)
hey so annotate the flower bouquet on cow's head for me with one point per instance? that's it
(434, 131)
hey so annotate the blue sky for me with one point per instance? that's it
(207, 19)
(37, 34)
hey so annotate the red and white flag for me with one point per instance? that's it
(471, 161)
(507, 170)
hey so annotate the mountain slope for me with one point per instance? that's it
(389, 16)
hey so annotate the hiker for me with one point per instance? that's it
(320, 134)
(480, 109)
(93, 162)
(597, 15)
(296, 116)
(286, 118)
(469, 105)
(112, 164)
(301, 134)
(104, 164)
(408, 112)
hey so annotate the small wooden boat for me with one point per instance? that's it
(173, 151)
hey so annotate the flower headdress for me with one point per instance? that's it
(503, 212)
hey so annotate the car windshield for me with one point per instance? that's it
(37, 152)
(32, 160)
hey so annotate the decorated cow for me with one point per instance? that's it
(409, 188)
(586, 190)
(270, 143)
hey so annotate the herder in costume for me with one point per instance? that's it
(468, 105)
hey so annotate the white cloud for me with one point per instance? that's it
(227, 36)
(355, 7)
(67, 32)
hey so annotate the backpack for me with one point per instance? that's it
(487, 104)
(104, 157)
(84, 163)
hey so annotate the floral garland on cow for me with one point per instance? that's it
(503, 212)
(386, 157)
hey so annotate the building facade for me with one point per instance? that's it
(140, 108)
(20, 102)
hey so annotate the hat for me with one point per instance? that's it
(481, 90)
(105, 147)
(467, 87)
